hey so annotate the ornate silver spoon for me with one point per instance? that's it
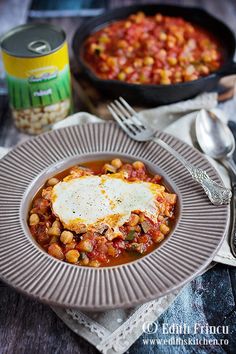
(216, 140)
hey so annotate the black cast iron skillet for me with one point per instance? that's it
(158, 94)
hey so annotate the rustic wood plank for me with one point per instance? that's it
(27, 326)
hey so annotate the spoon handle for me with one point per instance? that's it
(217, 193)
(232, 240)
(230, 165)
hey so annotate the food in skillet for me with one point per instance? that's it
(152, 50)
(102, 214)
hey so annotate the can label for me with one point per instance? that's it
(39, 81)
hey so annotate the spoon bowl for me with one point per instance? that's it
(214, 136)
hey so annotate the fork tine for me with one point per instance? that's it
(127, 116)
(127, 123)
(116, 117)
(134, 114)
(119, 120)
(119, 114)
(123, 118)
(132, 111)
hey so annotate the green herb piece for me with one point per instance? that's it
(131, 235)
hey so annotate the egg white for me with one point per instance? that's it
(108, 199)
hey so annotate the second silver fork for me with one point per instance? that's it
(130, 122)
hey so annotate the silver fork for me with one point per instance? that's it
(130, 122)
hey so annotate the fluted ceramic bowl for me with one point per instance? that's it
(198, 232)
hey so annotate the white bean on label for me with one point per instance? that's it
(26, 111)
(38, 120)
(37, 110)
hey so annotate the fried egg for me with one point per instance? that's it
(106, 199)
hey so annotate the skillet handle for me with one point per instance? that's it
(229, 69)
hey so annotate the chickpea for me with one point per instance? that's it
(172, 60)
(109, 168)
(158, 237)
(189, 70)
(34, 219)
(55, 250)
(128, 70)
(56, 223)
(111, 251)
(55, 230)
(163, 36)
(128, 24)
(70, 246)
(148, 61)
(165, 81)
(158, 17)
(85, 246)
(66, 237)
(53, 181)
(164, 229)
(104, 39)
(54, 239)
(204, 69)
(138, 63)
(85, 259)
(116, 163)
(94, 263)
(138, 165)
(170, 44)
(72, 256)
(121, 76)
(143, 77)
(122, 44)
(162, 53)
(134, 220)
(171, 38)
(112, 61)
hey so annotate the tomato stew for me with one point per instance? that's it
(152, 50)
(99, 246)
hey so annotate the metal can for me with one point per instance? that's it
(36, 62)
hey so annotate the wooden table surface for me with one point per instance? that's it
(27, 326)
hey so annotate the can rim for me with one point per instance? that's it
(13, 30)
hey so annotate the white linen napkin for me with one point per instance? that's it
(3, 151)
